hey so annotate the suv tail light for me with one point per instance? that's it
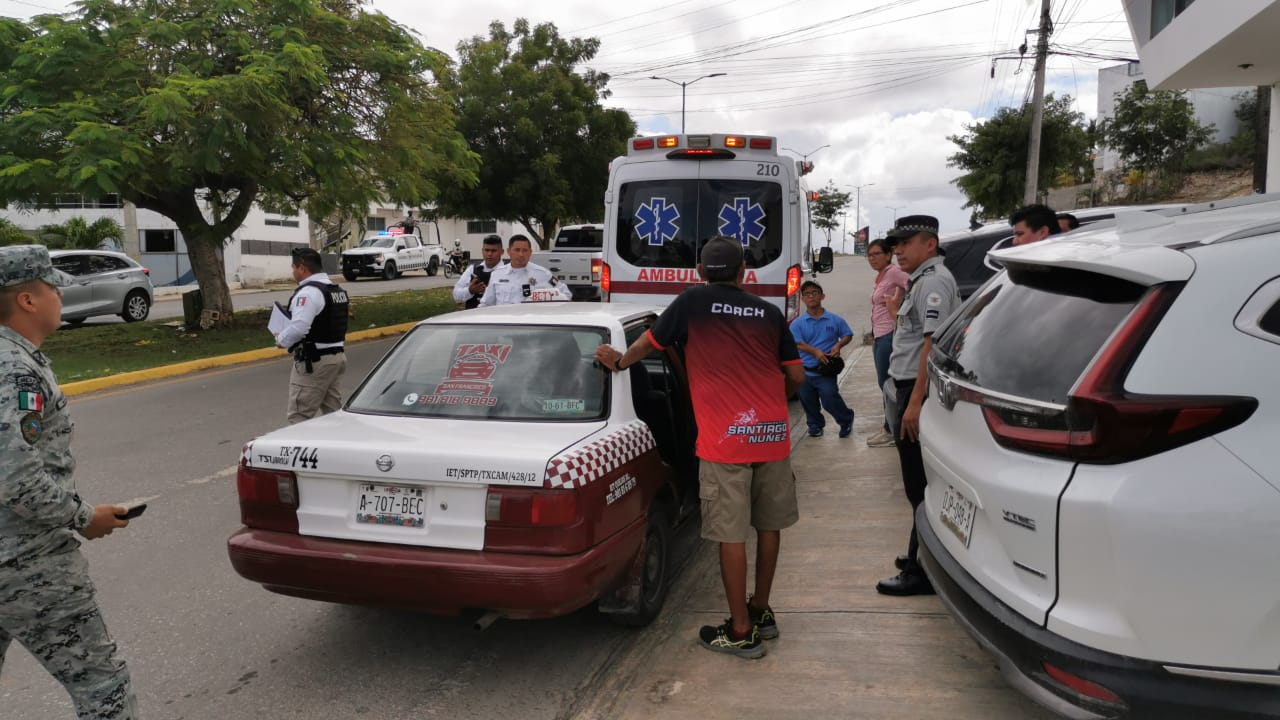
(596, 264)
(268, 499)
(1104, 423)
(1077, 684)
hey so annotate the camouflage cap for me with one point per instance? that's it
(24, 263)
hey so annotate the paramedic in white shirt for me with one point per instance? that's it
(522, 281)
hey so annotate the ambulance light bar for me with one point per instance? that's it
(709, 145)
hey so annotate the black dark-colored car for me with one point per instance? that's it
(967, 251)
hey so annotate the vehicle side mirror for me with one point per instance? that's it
(826, 260)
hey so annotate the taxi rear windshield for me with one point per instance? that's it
(664, 223)
(493, 372)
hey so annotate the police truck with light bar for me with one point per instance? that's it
(670, 194)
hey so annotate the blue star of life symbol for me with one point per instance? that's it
(741, 219)
(656, 221)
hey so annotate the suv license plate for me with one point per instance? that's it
(958, 513)
(401, 505)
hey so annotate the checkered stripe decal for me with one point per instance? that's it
(581, 465)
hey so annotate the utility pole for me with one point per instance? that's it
(1037, 113)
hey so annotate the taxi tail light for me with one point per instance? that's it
(596, 264)
(606, 279)
(531, 508)
(1105, 424)
(268, 499)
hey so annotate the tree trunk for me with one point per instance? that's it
(205, 252)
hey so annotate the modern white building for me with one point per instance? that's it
(1215, 106)
(1185, 44)
(259, 248)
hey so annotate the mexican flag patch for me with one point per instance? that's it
(32, 401)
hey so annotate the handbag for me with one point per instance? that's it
(833, 366)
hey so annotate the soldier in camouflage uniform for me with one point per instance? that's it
(46, 598)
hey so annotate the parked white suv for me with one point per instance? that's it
(1101, 443)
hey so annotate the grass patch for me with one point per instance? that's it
(84, 353)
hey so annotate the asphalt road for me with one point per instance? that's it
(168, 307)
(204, 644)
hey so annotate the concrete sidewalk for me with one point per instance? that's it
(845, 651)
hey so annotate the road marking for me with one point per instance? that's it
(225, 472)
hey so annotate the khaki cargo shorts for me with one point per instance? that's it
(736, 498)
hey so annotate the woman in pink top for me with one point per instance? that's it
(890, 287)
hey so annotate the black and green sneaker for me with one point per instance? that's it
(764, 620)
(721, 638)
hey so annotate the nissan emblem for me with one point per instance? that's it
(385, 463)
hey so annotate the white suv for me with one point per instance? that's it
(1102, 443)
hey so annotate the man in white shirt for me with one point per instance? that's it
(316, 335)
(523, 281)
(471, 286)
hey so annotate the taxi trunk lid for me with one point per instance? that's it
(417, 481)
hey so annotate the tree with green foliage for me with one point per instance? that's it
(11, 234)
(824, 212)
(1154, 131)
(531, 110)
(198, 109)
(993, 155)
(80, 234)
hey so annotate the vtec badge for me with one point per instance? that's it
(385, 463)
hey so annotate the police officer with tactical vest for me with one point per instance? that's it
(316, 335)
(474, 280)
(47, 601)
(931, 297)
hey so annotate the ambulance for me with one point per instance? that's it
(670, 194)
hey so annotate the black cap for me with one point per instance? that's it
(909, 225)
(720, 253)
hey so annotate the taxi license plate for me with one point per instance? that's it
(958, 513)
(399, 505)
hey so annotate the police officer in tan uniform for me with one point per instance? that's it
(47, 600)
(316, 335)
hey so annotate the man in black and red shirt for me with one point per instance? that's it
(743, 365)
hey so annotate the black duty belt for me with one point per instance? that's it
(328, 351)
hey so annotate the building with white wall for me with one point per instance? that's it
(1212, 106)
(1185, 44)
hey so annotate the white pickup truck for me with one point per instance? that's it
(388, 253)
(575, 259)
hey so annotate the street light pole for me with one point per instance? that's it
(895, 210)
(683, 86)
(857, 213)
(804, 157)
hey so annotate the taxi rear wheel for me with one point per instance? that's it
(654, 573)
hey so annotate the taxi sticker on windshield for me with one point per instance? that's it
(472, 371)
(563, 405)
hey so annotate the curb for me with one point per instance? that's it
(183, 368)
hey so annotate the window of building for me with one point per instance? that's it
(482, 227)
(158, 241)
(74, 201)
(1164, 11)
(375, 224)
(282, 222)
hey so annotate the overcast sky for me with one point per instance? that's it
(882, 82)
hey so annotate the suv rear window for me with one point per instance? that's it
(497, 372)
(664, 223)
(1033, 333)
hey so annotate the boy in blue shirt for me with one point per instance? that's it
(820, 335)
